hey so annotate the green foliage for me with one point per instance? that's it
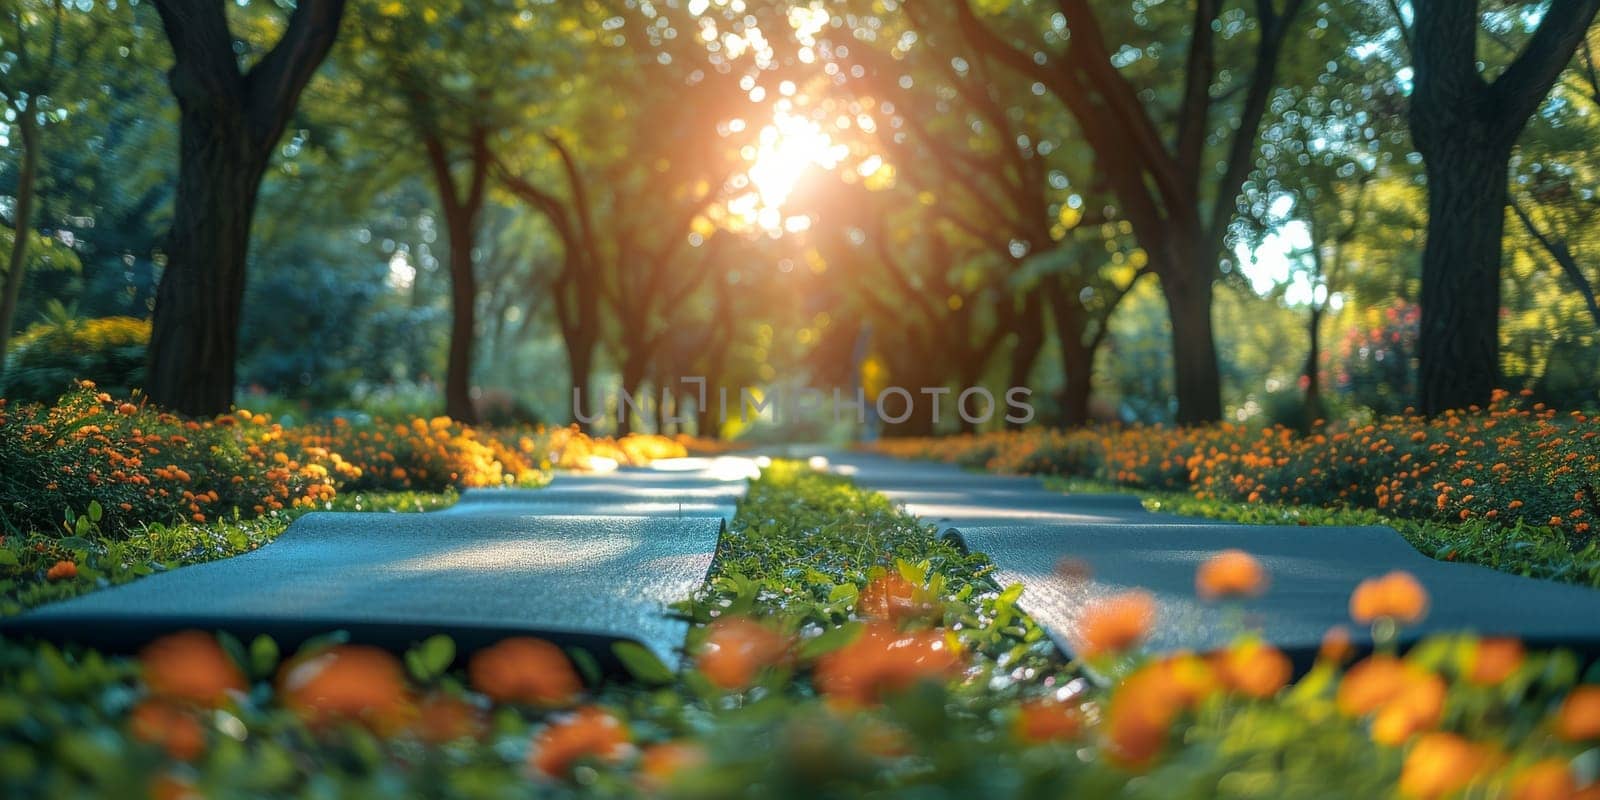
(45, 362)
(67, 716)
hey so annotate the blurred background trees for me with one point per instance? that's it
(1142, 212)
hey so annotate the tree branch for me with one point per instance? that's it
(1516, 94)
(275, 83)
(1274, 27)
(1196, 107)
(1563, 257)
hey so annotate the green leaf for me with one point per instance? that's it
(587, 666)
(8, 558)
(432, 657)
(914, 574)
(95, 511)
(844, 591)
(263, 655)
(830, 640)
(642, 664)
(234, 648)
(77, 542)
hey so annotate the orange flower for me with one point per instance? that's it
(443, 718)
(590, 732)
(1231, 572)
(883, 660)
(1440, 764)
(1494, 660)
(168, 786)
(62, 571)
(1396, 595)
(1145, 704)
(175, 730)
(1048, 721)
(892, 597)
(1336, 647)
(522, 669)
(190, 666)
(1550, 779)
(347, 683)
(1579, 717)
(736, 649)
(1255, 669)
(660, 763)
(1371, 684)
(1417, 708)
(1135, 736)
(1115, 625)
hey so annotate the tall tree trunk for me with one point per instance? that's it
(1030, 341)
(229, 125)
(1315, 409)
(578, 314)
(463, 208)
(707, 415)
(1077, 355)
(1459, 345)
(584, 337)
(1465, 128)
(1197, 379)
(22, 223)
(1077, 360)
(194, 335)
(661, 412)
(461, 228)
(634, 367)
(580, 364)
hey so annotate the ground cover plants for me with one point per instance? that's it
(97, 490)
(837, 649)
(1515, 486)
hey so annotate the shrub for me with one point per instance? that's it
(142, 465)
(45, 361)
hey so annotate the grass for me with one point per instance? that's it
(804, 544)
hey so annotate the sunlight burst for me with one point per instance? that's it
(789, 147)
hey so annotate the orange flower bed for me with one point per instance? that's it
(1506, 464)
(141, 465)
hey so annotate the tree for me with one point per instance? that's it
(230, 121)
(1002, 166)
(1159, 177)
(1324, 143)
(48, 36)
(1465, 127)
(575, 287)
(446, 82)
(620, 148)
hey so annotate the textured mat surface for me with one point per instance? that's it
(1069, 551)
(1313, 570)
(591, 559)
